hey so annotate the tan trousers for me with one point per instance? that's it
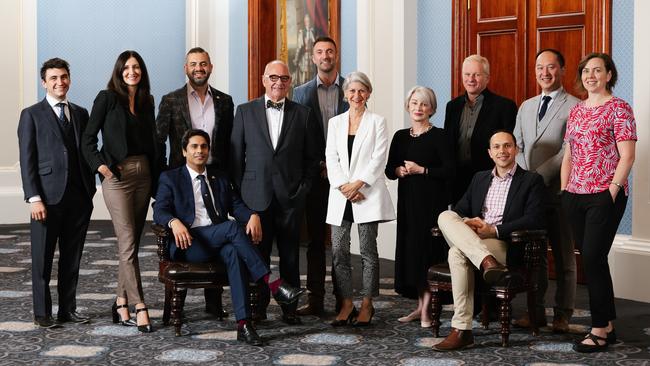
(127, 201)
(466, 252)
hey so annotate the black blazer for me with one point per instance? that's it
(497, 113)
(524, 206)
(258, 171)
(110, 117)
(43, 154)
(174, 119)
(307, 95)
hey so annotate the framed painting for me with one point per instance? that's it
(286, 30)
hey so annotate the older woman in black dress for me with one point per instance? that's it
(421, 158)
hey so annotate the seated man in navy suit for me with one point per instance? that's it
(194, 202)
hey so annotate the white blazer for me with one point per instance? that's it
(369, 155)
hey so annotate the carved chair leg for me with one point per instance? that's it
(178, 298)
(436, 310)
(253, 299)
(168, 305)
(505, 311)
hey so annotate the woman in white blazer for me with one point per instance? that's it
(356, 153)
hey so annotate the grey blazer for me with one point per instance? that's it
(541, 142)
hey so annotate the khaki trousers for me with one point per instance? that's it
(127, 201)
(466, 252)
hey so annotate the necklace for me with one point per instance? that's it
(413, 134)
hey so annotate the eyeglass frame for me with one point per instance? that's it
(275, 78)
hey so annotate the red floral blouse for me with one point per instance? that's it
(592, 134)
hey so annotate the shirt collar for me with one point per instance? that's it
(53, 101)
(192, 91)
(552, 94)
(509, 174)
(319, 82)
(194, 173)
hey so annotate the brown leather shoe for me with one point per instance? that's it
(524, 321)
(560, 324)
(493, 271)
(456, 340)
(310, 308)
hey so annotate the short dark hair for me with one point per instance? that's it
(514, 139)
(558, 55)
(54, 63)
(325, 39)
(191, 133)
(197, 50)
(116, 84)
(609, 66)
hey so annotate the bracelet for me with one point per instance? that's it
(617, 184)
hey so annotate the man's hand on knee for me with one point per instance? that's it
(181, 234)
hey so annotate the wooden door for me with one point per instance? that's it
(510, 32)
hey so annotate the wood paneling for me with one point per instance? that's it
(575, 27)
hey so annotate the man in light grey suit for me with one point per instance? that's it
(541, 122)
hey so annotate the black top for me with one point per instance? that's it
(138, 137)
(347, 214)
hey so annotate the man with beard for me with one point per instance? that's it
(197, 105)
(323, 94)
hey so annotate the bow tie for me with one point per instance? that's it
(272, 104)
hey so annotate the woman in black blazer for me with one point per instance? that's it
(124, 113)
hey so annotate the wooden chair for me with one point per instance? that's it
(179, 276)
(519, 279)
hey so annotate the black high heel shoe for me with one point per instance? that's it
(117, 319)
(349, 320)
(365, 324)
(147, 327)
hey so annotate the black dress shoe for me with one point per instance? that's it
(46, 322)
(73, 317)
(291, 319)
(216, 311)
(259, 317)
(248, 334)
(287, 294)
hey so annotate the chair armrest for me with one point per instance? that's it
(524, 236)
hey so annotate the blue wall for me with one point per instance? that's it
(238, 83)
(348, 44)
(90, 34)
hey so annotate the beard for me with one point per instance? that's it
(197, 81)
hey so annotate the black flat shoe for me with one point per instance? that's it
(247, 333)
(72, 317)
(287, 294)
(146, 328)
(365, 324)
(117, 319)
(347, 321)
(611, 337)
(589, 348)
(46, 322)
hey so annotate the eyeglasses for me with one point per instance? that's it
(283, 78)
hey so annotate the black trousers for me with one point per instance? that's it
(315, 213)
(594, 219)
(282, 226)
(67, 224)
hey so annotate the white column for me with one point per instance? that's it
(18, 41)
(208, 26)
(386, 52)
(630, 255)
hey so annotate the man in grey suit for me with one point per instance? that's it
(274, 160)
(323, 94)
(540, 127)
(197, 105)
(59, 187)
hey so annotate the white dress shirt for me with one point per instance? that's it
(274, 119)
(201, 217)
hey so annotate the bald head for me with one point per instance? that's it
(276, 80)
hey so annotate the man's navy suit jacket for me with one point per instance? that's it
(175, 199)
(524, 208)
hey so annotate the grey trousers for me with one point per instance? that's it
(127, 201)
(369, 258)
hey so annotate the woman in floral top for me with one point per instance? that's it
(600, 139)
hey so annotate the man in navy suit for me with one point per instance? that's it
(194, 202)
(323, 94)
(499, 201)
(273, 161)
(59, 187)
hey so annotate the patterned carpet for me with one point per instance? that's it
(208, 341)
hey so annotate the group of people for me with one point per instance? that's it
(557, 163)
